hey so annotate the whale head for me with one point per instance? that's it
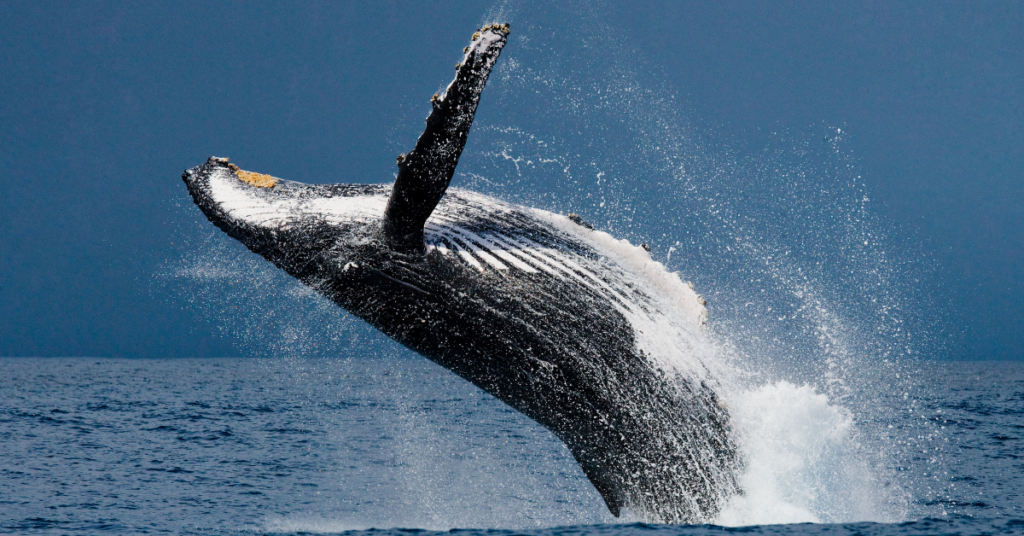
(294, 225)
(299, 227)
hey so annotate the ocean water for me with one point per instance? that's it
(397, 444)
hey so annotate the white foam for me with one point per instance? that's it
(802, 464)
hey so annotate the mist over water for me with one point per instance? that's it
(814, 324)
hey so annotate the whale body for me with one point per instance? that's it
(579, 331)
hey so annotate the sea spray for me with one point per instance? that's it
(802, 463)
(259, 308)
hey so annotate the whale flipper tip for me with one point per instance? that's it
(425, 172)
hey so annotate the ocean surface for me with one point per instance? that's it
(400, 445)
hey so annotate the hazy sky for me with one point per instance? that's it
(102, 105)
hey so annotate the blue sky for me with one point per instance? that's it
(104, 104)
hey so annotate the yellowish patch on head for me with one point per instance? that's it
(258, 180)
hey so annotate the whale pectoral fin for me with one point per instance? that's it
(424, 173)
(601, 479)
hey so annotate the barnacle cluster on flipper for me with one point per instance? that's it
(503, 28)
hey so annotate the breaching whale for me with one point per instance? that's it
(583, 333)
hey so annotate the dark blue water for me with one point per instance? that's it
(321, 446)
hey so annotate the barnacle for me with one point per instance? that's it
(258, 180)
(502, 28)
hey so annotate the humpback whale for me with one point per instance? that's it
(583, 333)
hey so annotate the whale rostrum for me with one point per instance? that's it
(583, 333)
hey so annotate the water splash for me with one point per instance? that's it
(802, 461)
